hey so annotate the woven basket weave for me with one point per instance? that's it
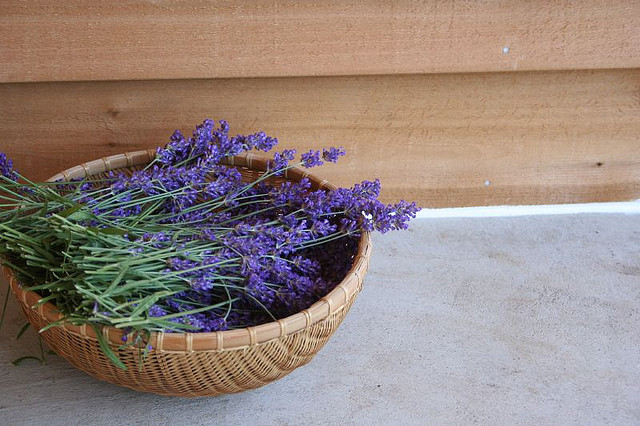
(201, 364)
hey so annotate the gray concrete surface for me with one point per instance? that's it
(527, 320)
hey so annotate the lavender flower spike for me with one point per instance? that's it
(332, 154)
(281, 160)
(311, 159)
(6, 167)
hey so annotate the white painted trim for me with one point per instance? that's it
(630, 207)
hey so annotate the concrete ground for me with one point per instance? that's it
(522, 320)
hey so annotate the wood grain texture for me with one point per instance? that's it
(127, 40)
(442, 139)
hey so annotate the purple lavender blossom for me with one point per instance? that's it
(156, 311)
(316, 204)
(322, 227)
(311, 159)
(210, 145)
(202, 284)
(157, 240)
(281, 160)
(259, 291)
(175, 151)
(395, 217)
(332, 154)
(290, 193)
(6, 168)
(259, 141)
(224, 180)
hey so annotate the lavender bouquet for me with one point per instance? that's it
(185, 244)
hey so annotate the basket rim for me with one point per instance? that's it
(336, 300)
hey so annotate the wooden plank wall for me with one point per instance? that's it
(96, 40)
(420, 93)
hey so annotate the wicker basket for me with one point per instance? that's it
(201, 364)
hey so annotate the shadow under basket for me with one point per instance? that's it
(200, 364)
